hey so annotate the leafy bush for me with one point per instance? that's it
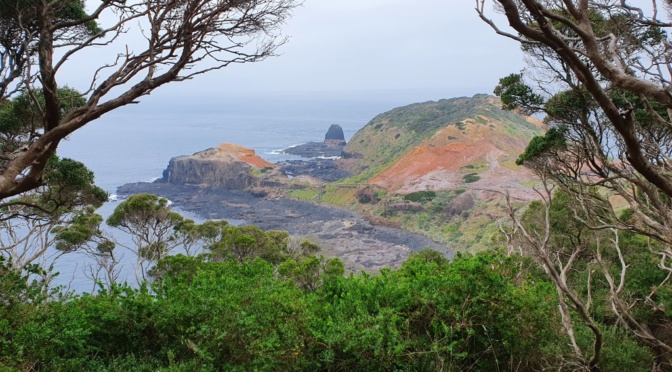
(471, 177)
(302, 315)
(420, 196)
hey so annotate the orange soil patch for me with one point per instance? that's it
(244, 154)
(427, 159)
(438, 166)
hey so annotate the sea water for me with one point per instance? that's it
(135, 143)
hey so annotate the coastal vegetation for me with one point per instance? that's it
(603, 165)
(478, 312)
(239, 298)
(603, 187)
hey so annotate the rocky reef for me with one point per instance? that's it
(332, 146)
(228, 166)
(325, 170)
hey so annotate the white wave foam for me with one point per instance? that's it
(113, 197)
(153, 179)
(282, 150)
(328, 157)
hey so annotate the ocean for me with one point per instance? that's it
(135, 143)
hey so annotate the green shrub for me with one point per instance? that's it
(420, 196)
(471, 177)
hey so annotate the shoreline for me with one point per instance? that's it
(340, 233)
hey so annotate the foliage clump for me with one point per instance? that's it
(470, 178)
(205, 315)
(553, 140)
(420, 196)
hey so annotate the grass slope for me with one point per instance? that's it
(393, 134)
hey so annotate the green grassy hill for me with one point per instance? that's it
(393, 134)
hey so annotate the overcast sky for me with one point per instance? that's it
(415, 51)
(424, 48)
(361, 45)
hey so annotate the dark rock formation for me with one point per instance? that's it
(187, 170)
(333, 144)
(351, 155)
(322, 169)
(314, 150)
(334, 136)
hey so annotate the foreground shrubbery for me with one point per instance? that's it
(263, 300)
(481, 313)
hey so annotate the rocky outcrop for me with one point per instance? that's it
(333, 144)
(334, 136)
(228, 166)
(404, 206)
(325, 170)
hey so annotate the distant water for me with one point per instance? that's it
(135, 143)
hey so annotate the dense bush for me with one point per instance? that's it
(471, 177)
(420, 196)
(474, 313)
(430, 314)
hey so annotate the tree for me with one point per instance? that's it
(33, 225)
(181, 39)
(600, 73)
(189, 236)
(152, 226)
(85, 235)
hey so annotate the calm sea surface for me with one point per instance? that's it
(135, 144)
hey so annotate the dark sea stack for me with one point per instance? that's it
(334, 136)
